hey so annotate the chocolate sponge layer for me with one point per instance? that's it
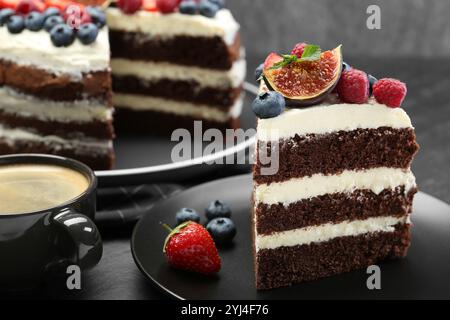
(288, 265)
(343, 150)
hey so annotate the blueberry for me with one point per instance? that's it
(217, 209)
(345, 66)
(268, 104)
(34, 21)
(52, 21)
(62, 35)
(15, 24)
(222, 230)
(259, 71)
(186, 214)
(219, 3)
(208, 9)
(372, 81)
(51, 12)
(97, 15)
(5, 14)
(188, 7)
(87, 33)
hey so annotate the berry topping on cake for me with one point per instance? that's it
(217, 209)
(304, 80)
(298, 49)
(51, 11)
(5, 14)
(26, 6)
(87, 33)
(219, 3)
(34, 21)
(190, 247)
(208, 8)
(52, 21)
(149, 5)
(372, 81)
(186, 214)
(62, 35)
(15, 24)
(353, 86)
(97, 16)
(76, 15)
(222, 230)
(167, 6)
(188, 7)
(390, 92)
(259, 71)
(268, 104)
(129, 6)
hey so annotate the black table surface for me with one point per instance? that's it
(427, 103)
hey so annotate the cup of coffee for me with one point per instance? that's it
(47, 204)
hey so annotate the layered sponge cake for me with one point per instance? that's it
(342, 194)
(170, 69)
(55, 89)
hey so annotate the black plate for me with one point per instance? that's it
(422, 274)
(146, 158)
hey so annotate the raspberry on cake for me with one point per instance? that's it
(176, 65)
(55, 86)
(342, 196)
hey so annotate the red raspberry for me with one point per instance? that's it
(167, 6)
(390, 92)
(26, 6)
(353, 86)
(76, 15)
(298, 49)
(129, 6)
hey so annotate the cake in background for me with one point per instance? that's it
(174, 62)
(55, 82)
(342, 195)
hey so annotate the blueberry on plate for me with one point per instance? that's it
(87, 33)
(345, 66)
(5, 14)
(219, 3)
(15, 24)
(188, 7)
(217, 209)
(62, 35)
(34, 21)
(51, 12)
(97, 16)
(208, 9)
(52, 21)
(372, 81)
(268, 104)
(222, 230)
(187, 214)
(259, 71)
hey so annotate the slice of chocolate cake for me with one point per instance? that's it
(55, 89)
(342, 195)
(172, 68)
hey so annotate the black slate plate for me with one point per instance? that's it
(422, 274)
(147, 158)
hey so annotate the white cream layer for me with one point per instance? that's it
(168, 25)
(147, 103)
(328, 118)
(296, 189)
(36, 49)
(91, 145)
(327, 232)
(152, 71)
(23, 105)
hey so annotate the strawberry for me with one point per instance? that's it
(190, 247)
(271, 59)
(10, 4)
(149, 5)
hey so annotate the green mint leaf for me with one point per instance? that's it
(287, 59)
(311, 53)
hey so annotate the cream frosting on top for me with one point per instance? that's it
(36, 49)
(156, 23)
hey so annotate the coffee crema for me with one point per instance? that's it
(26, 188)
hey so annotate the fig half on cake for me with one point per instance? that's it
(306, 80)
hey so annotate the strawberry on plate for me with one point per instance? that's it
(190, 247)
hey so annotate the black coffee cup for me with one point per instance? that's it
(35, 244)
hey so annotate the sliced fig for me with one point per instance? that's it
(307, 82)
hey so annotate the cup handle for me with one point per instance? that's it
(78, 239)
